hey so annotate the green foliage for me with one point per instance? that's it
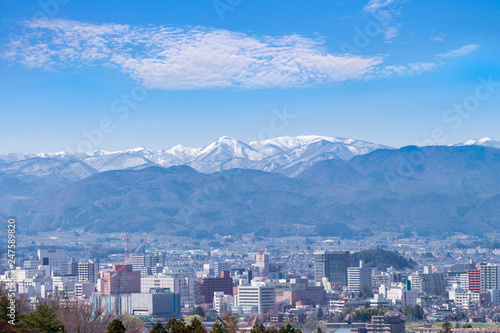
(334, 230)
(219, 326)
(365, 292)
(467, 325)
(446, 328)
(116, 326)
(287, 329)
(199, 311)
(258, 329)
(194, 322)
(43, 320)
(382, 259)
(366, 314)
(177, 326)
(4, 307)
(158, 328)
(414, 312)
(320, 313)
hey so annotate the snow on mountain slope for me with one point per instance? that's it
(287, 155)
(487, 142)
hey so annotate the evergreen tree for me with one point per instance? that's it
(176, 326)
(287, 329)
(116, 326)
(199, 311)
(195, 323)
(258, 329)
(320, 313)
(446, 328)
(158, 328)
(43, 320)
(219, 326)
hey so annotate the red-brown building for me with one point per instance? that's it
(210, 285)
(475, 279)
(122, 280)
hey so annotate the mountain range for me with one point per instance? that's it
(307, 185)
(286, 155)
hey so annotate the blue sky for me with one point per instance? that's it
(121, 74)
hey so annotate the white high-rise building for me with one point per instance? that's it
(262, 263)
(357, 277)
(183, 284)
(222, 303)
(490, 277)
(259, 294)
(87, 271)
(55, 259)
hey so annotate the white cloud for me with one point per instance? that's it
(464, 50)
(406, 70)
(385, 11)
(375, 5)
(438, 38)
(390, 33)
(176, 58)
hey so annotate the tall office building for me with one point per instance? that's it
(220, 266)
(260, 294)
(332, 265)
(208, 286)
(433, 284)
(490, 277)
(148, 260)
(262, 263)
(55, 259)
(357, 277)
(474, 279)
(87, 271)
(184, 284)
(121, 280)
(72, 267)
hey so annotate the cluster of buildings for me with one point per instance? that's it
(148, 285)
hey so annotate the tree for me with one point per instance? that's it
(446, 328)
(43, 320)
(319, 330)
(231, 323)
(199, 311)
(116, 326)
(158, 328)
(4, 307)
(219, 327)
(176, 326)
(194, 323)
(133, 324)
(258, 328)
(287, 329)
(467, 325)
(82, 317)
(320, 313)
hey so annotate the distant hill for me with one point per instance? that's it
(381, 259)
(429, 191)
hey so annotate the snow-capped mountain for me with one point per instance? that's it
(486, 142)
(286, 155)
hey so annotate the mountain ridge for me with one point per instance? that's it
(453, 190)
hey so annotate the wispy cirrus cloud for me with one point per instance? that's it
(175, 58)
(439, 38)
(375, 5)
(464, 50)
(385, 10)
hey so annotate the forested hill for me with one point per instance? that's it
(381, 259)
